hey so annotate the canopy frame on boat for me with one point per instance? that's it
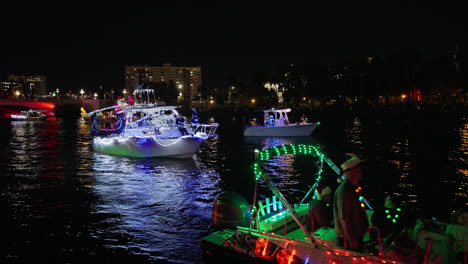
(279, 117)
(294, 149)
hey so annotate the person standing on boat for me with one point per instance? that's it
(194, 116)
(320, 212)
(350, 216)
(180, 123)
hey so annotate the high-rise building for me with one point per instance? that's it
(186, 79)
(32, 85)
(8, 89)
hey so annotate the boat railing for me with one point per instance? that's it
(204, 128)
(379, 239)
(429, 241)
(269, 207)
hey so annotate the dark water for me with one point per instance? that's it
(63, 203)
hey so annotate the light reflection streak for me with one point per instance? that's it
(354, 134)
(164, 205)
(462, 164)
(403, 167)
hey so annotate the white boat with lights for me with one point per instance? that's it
(148, 130)
(276, 123)
(30, 115)
(273, 229)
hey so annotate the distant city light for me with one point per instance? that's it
(403, 96)
(125, 92)
(211, 101)
(253, 100)
(180, 86)
(303, 98)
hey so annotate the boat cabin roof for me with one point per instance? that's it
(140, 91)
(287, 110)
(159, 110)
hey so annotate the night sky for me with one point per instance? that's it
(84, 44)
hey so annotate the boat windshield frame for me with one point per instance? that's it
(278, 114)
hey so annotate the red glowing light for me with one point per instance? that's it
(48, 107)
(260, 247)
(286, 257)
(265, 248)
(291, 258)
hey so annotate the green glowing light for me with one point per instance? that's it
(387, 211)
(328, 204)
(267, 154)
(393, 220)
(318, 123)
(388, 216)
(398, 209)
(396, 216)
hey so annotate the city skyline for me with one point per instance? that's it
(84, 47)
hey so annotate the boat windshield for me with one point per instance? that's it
(276, 117)
(144, 96)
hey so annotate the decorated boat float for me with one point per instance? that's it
(273, 230)
(276, 123)
(148, 130)
(30, 115)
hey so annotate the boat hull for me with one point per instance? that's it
(146, 147)
(243, 243)
(26, 118)
(278, 131)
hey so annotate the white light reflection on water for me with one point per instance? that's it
(354, 133)
(462, 190)
(403, 167)
(163, 205)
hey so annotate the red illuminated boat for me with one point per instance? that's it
(30, 115)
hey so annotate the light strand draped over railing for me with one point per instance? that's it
(295, 149)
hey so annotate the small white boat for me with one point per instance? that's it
(30, 115)
(276, 123)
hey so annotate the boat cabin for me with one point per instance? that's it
(144, 96)
(276, 117)
(161, 116)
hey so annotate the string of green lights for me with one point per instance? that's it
(294, 149)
